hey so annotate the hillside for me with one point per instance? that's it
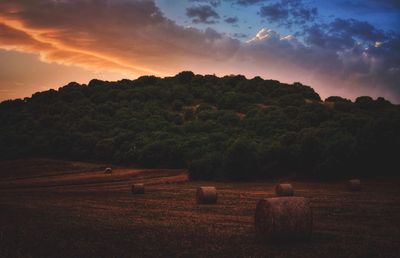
(229, 127)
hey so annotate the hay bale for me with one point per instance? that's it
(354, 185)
(138, 188)
(283, 218)
(108, 171)
(284, 190)
(206, 195)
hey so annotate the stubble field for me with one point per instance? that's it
(73, 209)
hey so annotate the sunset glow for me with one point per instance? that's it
(337, 48)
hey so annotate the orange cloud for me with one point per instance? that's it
(16, 36)
(131, 38)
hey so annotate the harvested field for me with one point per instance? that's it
(83, 212)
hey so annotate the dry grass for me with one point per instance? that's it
(91, 214)
(32, 168)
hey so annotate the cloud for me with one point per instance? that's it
(275, 12)
(338, 60)
(385, 3)
(368, 6)
(213, 3)
(248, 2)
(240, 35)
(288, 13)
(216, 3)
(202, 14)
(13, 39)
(231, 20)
(354, 28)
(131, 37)
(344, 33)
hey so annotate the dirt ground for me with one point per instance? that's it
(73, 209)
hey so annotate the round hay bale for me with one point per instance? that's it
(108, 171)
(283, 218)
(206, 195)
(354, 185)
(138, 188)
(284, 190)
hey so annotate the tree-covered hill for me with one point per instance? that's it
(228, 127)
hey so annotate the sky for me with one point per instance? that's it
(338, 47)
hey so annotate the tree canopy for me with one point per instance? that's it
(229, 127)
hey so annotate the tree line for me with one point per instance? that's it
(229, 127)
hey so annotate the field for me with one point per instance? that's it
(72, 209)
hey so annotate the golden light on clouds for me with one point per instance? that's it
(134, 38)
(46, 43)
(131, 39)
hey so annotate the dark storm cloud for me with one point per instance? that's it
(202, 14)
(288, 12)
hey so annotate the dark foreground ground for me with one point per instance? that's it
(64, 209)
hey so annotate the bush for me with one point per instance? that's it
(206, 168)
(241, 160)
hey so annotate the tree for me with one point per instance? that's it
(241, 159)
(206, 168)
(185, 77)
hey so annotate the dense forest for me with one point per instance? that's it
(229, 127)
